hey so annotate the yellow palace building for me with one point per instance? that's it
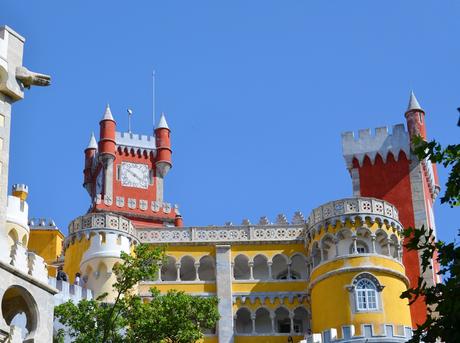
(335, 276)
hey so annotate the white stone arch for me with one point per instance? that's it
(260, 267)
(280, 267)
(13, 236)
(207, 268)
(243, 321)
(263, 321)
(394, 246)
(282, 320)
(241, 270)
(16, 301)
(301, 320)
(298, 266)
(381, 242)
(168, 269)
(315, 254)
(328, 247)
(344, 239)
(187, 268)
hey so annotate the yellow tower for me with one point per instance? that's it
(46, 240)
(93, 247)
(356, 272)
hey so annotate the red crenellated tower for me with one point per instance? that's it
(124, 173)
(383, 166)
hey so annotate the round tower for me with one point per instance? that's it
(163, 145)
(356, 272)
(17, 213)
(415, 117)
(107, 127)
(90, 154)
(93, 247)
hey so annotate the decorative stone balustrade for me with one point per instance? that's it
(221, 234)
(101, 221)
(351, 208)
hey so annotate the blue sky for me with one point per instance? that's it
(256, 93)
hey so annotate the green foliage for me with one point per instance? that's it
(448, 157)
(171, 318)
(442, 299)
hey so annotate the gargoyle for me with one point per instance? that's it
(29, 78)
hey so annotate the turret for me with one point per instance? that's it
(163, 146)
(90, 153)
(415, 117)
(93, 247)
(107, 134)
(107, 149)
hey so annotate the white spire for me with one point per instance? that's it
(413, 103)
(162, 124)
(92, 142)
(108, 113)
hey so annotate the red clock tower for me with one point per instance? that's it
(124, 173)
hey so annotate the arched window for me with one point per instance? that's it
(260, 267)
(187, 269)
(207, 270)
(282, 320)
(366, 295)
(298, 267)
(361, 247)
(243, 321)
(280, 267)
(168, 269)
(241, 269)
(301, 324)
(263, 322)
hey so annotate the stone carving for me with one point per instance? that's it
(29, 78)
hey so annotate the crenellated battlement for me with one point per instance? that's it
(68, 291)
(17, 211)
(28, 262)
(42, 224)
(136, 141)
(369, 333)
(380, 142)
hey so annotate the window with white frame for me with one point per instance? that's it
(366, 295)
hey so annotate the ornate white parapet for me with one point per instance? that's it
(351, 208)
(224, 234)
(101, 222)
(67, 292)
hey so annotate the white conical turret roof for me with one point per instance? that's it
(413, 103)
(107, 113)
(92, 142)
(162, 124)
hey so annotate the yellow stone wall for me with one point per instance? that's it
(47, 244)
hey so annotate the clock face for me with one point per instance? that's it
(134, 175)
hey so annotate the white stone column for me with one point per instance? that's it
(251, 270)
(355, 247)
(270, 276)
(197, 267)
(289, 276)
(389, 247)
(373, 244)
(178, 271)
(291, 318)
(224, 293)
(272, 317)
(336, 244)
(253, 321)
(160, 265)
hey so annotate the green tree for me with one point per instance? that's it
(442, 299)
(171, 318)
